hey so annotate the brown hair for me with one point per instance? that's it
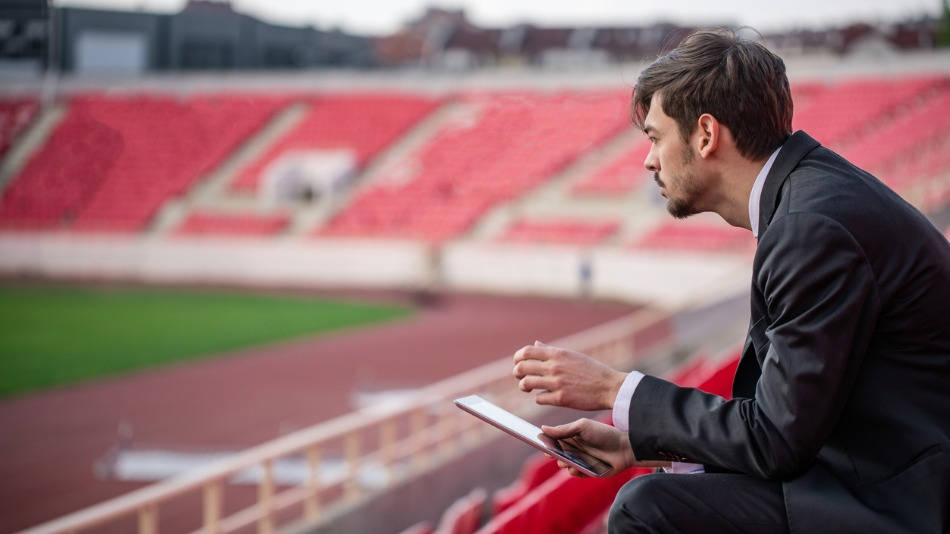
(739, 82)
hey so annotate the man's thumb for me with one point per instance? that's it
(562, 431)
(539, 344)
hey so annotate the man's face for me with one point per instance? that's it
(672, 162)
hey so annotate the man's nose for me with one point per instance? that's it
(650, 163)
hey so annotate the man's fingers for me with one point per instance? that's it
(533, 382)
(548, 398)
(528, 367)
(531, 352)
(564, 431)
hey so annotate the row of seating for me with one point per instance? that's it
(363, 124)
(618, 175)
(114, 161)
(564, 232)
(518, 141)
(835, 114)
(201, 223)
(696, 236)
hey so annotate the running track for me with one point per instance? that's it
(50, 441)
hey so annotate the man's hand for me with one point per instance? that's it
(603, 441)
(566, 378)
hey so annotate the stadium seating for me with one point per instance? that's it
(843, 111)
(618, 175)
(423, 527)
(465, 515)
(363, 124)
(517, 142)
(114, 160)
(15, 115)
(910, 148)
(563, 232)
(200, 223)
(536, 470)
(696, 237)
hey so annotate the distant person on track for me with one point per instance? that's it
(840, 420)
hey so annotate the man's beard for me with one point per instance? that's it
(682, 208)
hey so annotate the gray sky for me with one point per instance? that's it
(384, 16)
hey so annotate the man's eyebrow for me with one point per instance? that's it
(648, 128)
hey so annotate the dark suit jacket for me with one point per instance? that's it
(843, 389)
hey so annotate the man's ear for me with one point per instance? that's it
(709, 130)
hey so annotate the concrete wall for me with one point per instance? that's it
(217, 261)
(663, 279)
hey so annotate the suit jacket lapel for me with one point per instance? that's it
(795, 148)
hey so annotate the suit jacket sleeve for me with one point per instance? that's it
(821, 301)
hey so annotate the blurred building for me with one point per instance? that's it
(23, 35)
(204, 35)
(446, 38)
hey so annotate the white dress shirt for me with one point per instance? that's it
(621, 409)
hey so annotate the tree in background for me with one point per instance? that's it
(943, 27)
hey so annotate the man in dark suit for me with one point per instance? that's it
(840, 420)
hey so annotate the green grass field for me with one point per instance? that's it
(52, 335)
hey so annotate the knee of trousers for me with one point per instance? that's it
(636, 505)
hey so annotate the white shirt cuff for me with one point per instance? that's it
(680, 468)
(621, 413)
(621, 417)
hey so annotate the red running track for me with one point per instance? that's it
(49, 441)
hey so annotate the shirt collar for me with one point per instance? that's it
(756, 195)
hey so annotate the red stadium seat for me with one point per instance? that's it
(420, 528)
(464, 516)
(536, 470)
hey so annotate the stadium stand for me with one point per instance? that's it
(66, 172)
(910, 148)
(517, 143)
(619, 175)
(564, 232)
(15, 115)
(465, 515)
(423, 527)
(363, 124)
(695, 236)
(536, 471)
(114, 160)
(845, 110)
(244, 224)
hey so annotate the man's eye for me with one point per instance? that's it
(652, 139)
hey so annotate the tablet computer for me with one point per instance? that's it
(571, 451)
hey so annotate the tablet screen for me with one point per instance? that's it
(511, 423)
